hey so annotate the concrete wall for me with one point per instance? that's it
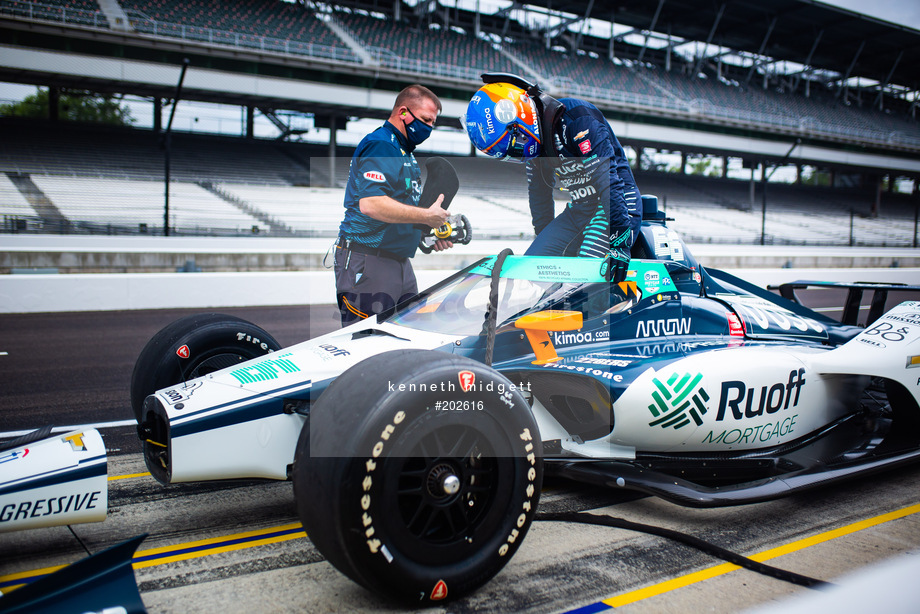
(112, 254)
(101, 292)
(272, 271)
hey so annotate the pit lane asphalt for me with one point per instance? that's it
(235, 546)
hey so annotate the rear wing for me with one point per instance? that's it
(854, 295)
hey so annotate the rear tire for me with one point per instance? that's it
(410, 501)
(194, 346)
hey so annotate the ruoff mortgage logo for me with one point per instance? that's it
(678, 400)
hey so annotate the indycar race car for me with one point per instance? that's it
(417, 440)
(48, 480)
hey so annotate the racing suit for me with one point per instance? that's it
(372, 268)
(588, 161)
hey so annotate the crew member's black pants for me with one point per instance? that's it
(367, 285)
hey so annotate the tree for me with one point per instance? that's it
(73, 105)
(702, 166)
(814, 176)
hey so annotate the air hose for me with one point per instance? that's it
(488, 327)
(689, 540)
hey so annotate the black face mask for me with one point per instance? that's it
(416, 131)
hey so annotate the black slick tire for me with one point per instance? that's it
(194, 346)
(420, 493)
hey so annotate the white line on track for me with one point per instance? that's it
(77, 427)
(4, 353)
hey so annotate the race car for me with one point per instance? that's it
(49, 480)
(417, 440)
(52, 479)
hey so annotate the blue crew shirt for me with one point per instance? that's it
(383, 165)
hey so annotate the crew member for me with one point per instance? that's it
(378, 234)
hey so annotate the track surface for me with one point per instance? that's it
(75, 368)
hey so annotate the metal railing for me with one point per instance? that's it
(213, 36)
(693, 109)
(47, 12)
(701, 108)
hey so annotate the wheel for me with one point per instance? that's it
(194, 346)
(406, 498)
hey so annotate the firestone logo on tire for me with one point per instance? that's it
(439, 591)
(467, 380)
(183, 352)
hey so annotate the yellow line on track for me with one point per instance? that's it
(128, 476)
(205, 542)
(194, 549)
(718, 570)
(28, 574)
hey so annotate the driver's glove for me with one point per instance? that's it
(616, 262)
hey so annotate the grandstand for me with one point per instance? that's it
(424, 49)
(116, 152)
(15, 206)
(223, 186)
(427, 47)
(120, 203)
(73, 178)
(267, 25)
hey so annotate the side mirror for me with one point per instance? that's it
(537, 326)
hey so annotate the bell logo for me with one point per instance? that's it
(467, 379)
(376, 176)
(183, 352)
(439, 591)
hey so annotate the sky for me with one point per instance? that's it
(902, 12)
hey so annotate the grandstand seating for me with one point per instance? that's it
(80, 150)
(265, 24)
(582, 75)
(110, 180)
(819, 113)
(125, 204)
(83, 5)
(318, 211)
(433, 50)
(596, 77)
(707, 210)
(82, 12)
(289, 27)
(305, 210)
(12, 203)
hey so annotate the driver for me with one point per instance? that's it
(569, 142)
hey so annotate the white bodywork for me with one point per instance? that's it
(752, 397)
(749, 398)
(262, 446)
(56, 481)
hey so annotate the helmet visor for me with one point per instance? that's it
(515, 144)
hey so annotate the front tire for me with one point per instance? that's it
(410, 500)
(194, 346)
